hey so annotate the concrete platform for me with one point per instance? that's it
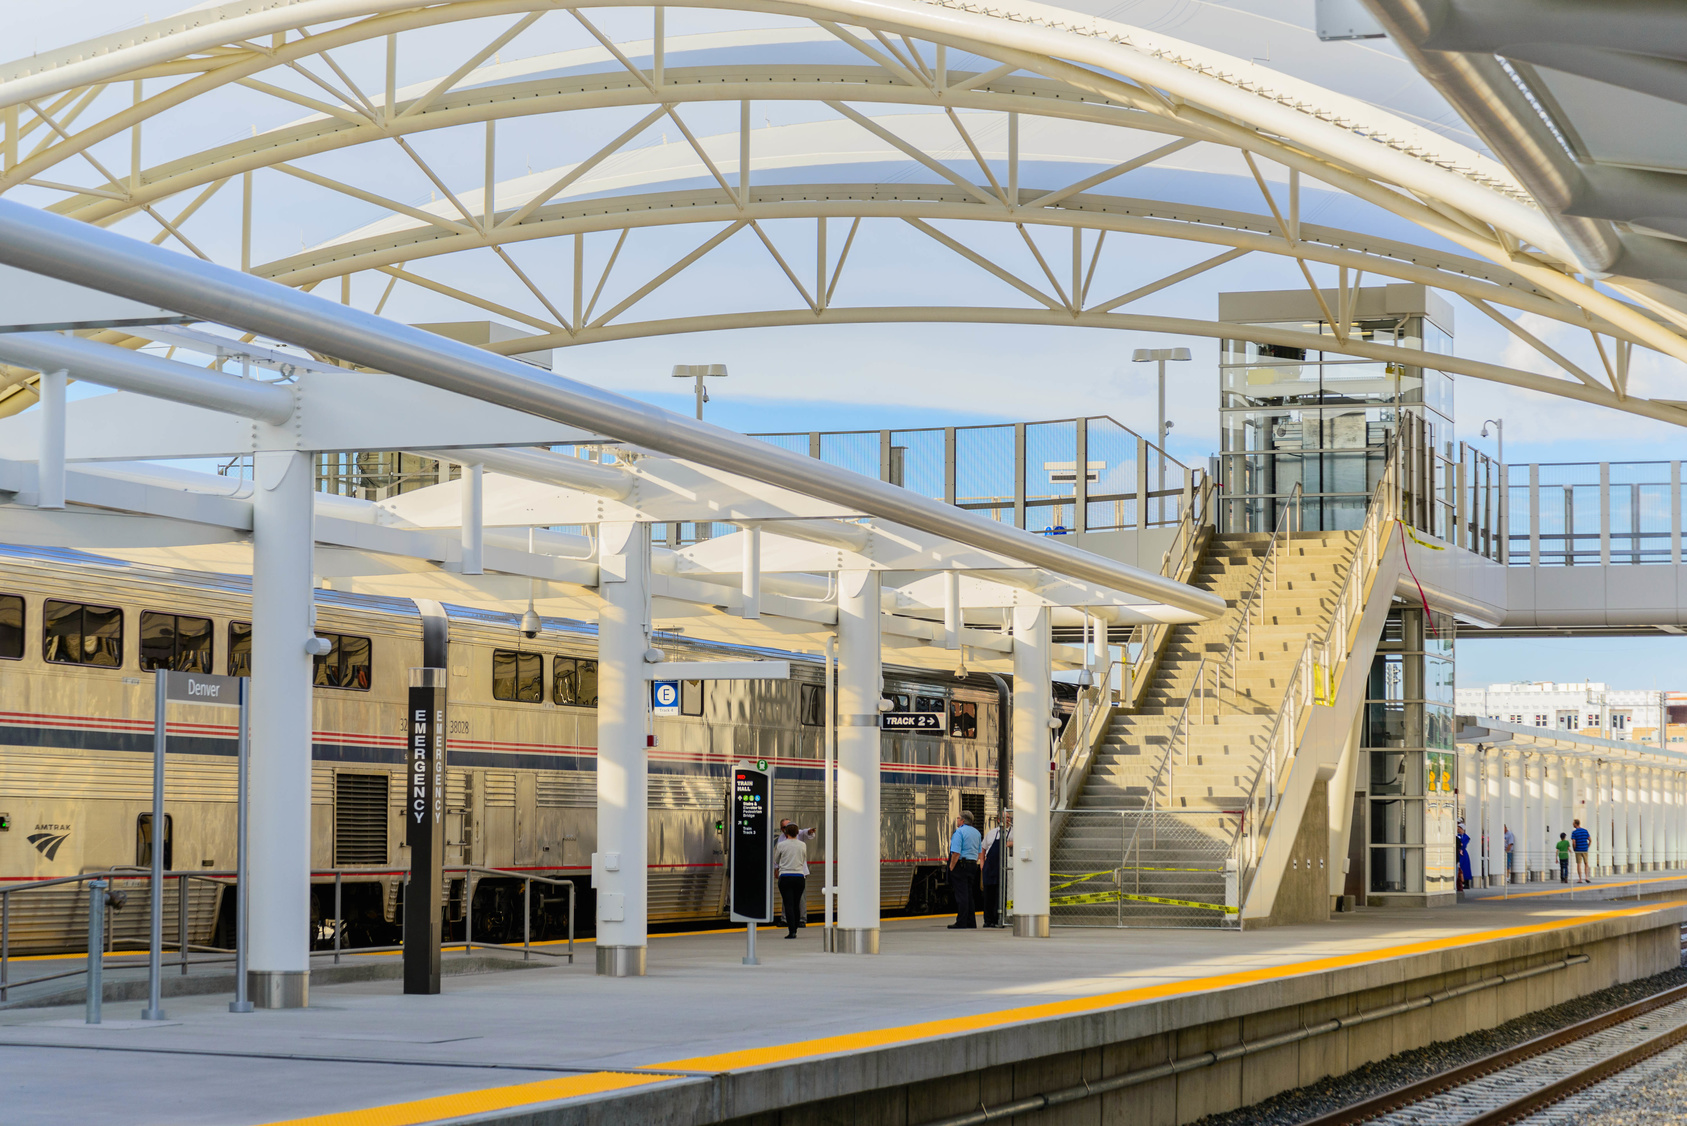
(938, 1023)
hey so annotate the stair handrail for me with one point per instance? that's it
(1179, 731)
(1304, 687)
(1254, 599)
(1176, 562)
(1077, 744)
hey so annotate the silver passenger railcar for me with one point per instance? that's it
(81, 634)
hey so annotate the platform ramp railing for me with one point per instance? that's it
(37, 917)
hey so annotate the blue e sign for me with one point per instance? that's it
(664, 697)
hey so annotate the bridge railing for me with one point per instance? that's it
(1594, 513)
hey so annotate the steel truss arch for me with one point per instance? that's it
(1049, 65)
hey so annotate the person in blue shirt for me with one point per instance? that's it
(1464, 857)
(963, 871)
(1580, 842)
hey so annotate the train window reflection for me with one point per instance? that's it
(812, 706)
(240, 648)
(74, 634)
(143, 842)
(691, 697)
(175, 642)
(11, 627)
(347, 664)
(574, 683)
(518, 677)
(929, 703)
(963, 719)
(898, 701)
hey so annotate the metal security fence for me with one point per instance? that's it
(1594, 513)
(1142, 868)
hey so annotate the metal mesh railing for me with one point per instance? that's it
(1140, 868)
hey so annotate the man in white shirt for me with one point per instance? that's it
(790, 860)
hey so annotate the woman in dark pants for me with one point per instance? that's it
(790, 857)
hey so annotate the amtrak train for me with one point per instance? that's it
(80, 636)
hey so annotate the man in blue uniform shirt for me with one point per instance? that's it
(963, 870)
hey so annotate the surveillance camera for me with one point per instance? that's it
(530, 624)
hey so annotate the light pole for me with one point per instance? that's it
(700, 372)
(1160, 356)
(1504, 536)
(1499, 436)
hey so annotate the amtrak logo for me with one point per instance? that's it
(47, 844)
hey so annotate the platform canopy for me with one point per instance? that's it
(829, 146)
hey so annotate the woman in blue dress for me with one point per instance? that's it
(1464, 857)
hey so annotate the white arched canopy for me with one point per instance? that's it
(1027, 142)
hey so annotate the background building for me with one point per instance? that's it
(1590, 708)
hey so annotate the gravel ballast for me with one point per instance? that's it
(1303, 1103)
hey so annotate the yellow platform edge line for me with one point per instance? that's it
(1572, 889)
(887, 1037)
(442, 1107)
(525, 1094)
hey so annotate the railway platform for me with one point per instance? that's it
(1150, 1026)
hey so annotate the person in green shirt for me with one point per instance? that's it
(1564, 857)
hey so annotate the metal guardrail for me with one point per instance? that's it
(1575, 514)
(226, 879)
(1178, 562)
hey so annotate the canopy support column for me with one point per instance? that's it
(283, 640)
(620, 865)
(860, 686)
(1032, 707)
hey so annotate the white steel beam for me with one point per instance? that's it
(623, 725)
(860, 683)
(83, 255)
(150, 375)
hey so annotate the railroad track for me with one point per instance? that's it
(1510, 1086)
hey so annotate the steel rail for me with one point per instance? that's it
(1499, 1061)
(83, 255)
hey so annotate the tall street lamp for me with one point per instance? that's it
(700, 372)
(1160, 356)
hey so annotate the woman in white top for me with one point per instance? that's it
(790, 859)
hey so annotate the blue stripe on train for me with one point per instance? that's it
(69, 738)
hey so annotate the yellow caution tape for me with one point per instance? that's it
(1116, 896)
(1421, 543)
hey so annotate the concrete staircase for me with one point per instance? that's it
(1157, 815)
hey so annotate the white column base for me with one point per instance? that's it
(856, 940)
(620, 961)
(1030, 926)
(278, 989)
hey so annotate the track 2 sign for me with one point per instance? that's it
(933, 722)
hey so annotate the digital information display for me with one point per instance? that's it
(751, 844)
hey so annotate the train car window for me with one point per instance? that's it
(143, 842)
(347, 664)
(574, 682)
(929, 703)
(11, 627)
(240, 648)
(518, 677)
(898, 701)
(812, 705)
(74, 634)
(963, 719)
(175, 642)
(691, 697)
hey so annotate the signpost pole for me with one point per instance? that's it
(243, 743)
(750, 946)
(155, 893)
(424, 819)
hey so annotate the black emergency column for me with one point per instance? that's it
(425, 831)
